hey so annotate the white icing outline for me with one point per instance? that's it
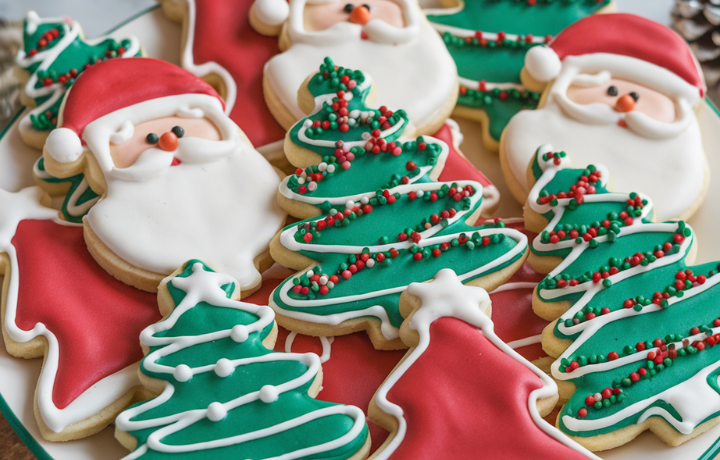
(48, 56)
(15, 207)
(695, 393)
(446, 296)
(326, 343)
(206, 286)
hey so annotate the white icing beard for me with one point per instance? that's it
(218, 205)
(417, 75)
(669, 170)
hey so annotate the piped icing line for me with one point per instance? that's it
(187, 61)
(202, 286)
(15, 207)
(73, 210)
(366, 167)
(690, 394)
(446, 296)
(489, 86)
(70, 32)
(467, 33)
(326, 343)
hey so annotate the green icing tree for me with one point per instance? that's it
(376, 218)
(488, 40)
(637, 325)
(224, 394)
(54, 54)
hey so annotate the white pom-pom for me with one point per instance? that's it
(272, 12)
(542, 63)
(64, 145)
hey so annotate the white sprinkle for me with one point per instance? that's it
(322, 166)
(331, 168)
(364, 200)
(312, 186)
(370, 263)
(349, 204)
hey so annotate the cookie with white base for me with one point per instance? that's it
(389, 39)
(621, 90)
(177, 177)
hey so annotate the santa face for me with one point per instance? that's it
(324, 15)
(650, 142)
(198, 196)
(391, 42)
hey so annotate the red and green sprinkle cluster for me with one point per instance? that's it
(616, 265)
(316, 281)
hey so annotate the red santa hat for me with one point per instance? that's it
(626, 35)
(115, 85)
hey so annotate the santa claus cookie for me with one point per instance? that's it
(637, 324)
(621, 90)
(177, 178)
(375, 216)
(488, 40)
(460, 390)
(222, 391)
(391, 40)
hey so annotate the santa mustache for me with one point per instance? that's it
(637, 122)
(190, 150)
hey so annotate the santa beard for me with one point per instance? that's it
(218, 206)
(670, 170)
(418, 75)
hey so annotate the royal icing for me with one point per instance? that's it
(224, 389)
(452, 313)
(91, 357)
(373, 237)
(488, 40)
(54, 54)
(399, 58)
(641, 322)
(79, 198)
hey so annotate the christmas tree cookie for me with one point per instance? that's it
(488, 40)
(375, 218)
(54, 54)
(432, 402)
(223, 392)
(634, 324)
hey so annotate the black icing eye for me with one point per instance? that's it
(152, 138)
(635, 96)
(178, 131)
(612, 91)
(367, 6)
(348, 8)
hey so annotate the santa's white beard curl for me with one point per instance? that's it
(218, 206)
(670, 169)
(417, 74)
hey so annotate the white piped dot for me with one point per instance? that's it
(239, 333)
(216, 412)
(224, 367)
(182, 373)
(268, 394)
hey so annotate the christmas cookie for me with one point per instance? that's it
(391, 40)
(375, 217)
(58, 303)
(223, 390)
(637, 323)
(621, 90)
(432, 402)
(488, 40)
(225, 51)
(177, 178)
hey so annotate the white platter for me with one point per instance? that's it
(161, 38)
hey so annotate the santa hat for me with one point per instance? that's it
(114, 95)
(639, 47)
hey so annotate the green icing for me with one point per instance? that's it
(624, 316)
(64, 56)
(178, 419)
(479, 58)
(388, 236)
(72, 207)
(499, 111)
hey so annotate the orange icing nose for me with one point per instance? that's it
(168, 142)
(360, 15)
(625, 103)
